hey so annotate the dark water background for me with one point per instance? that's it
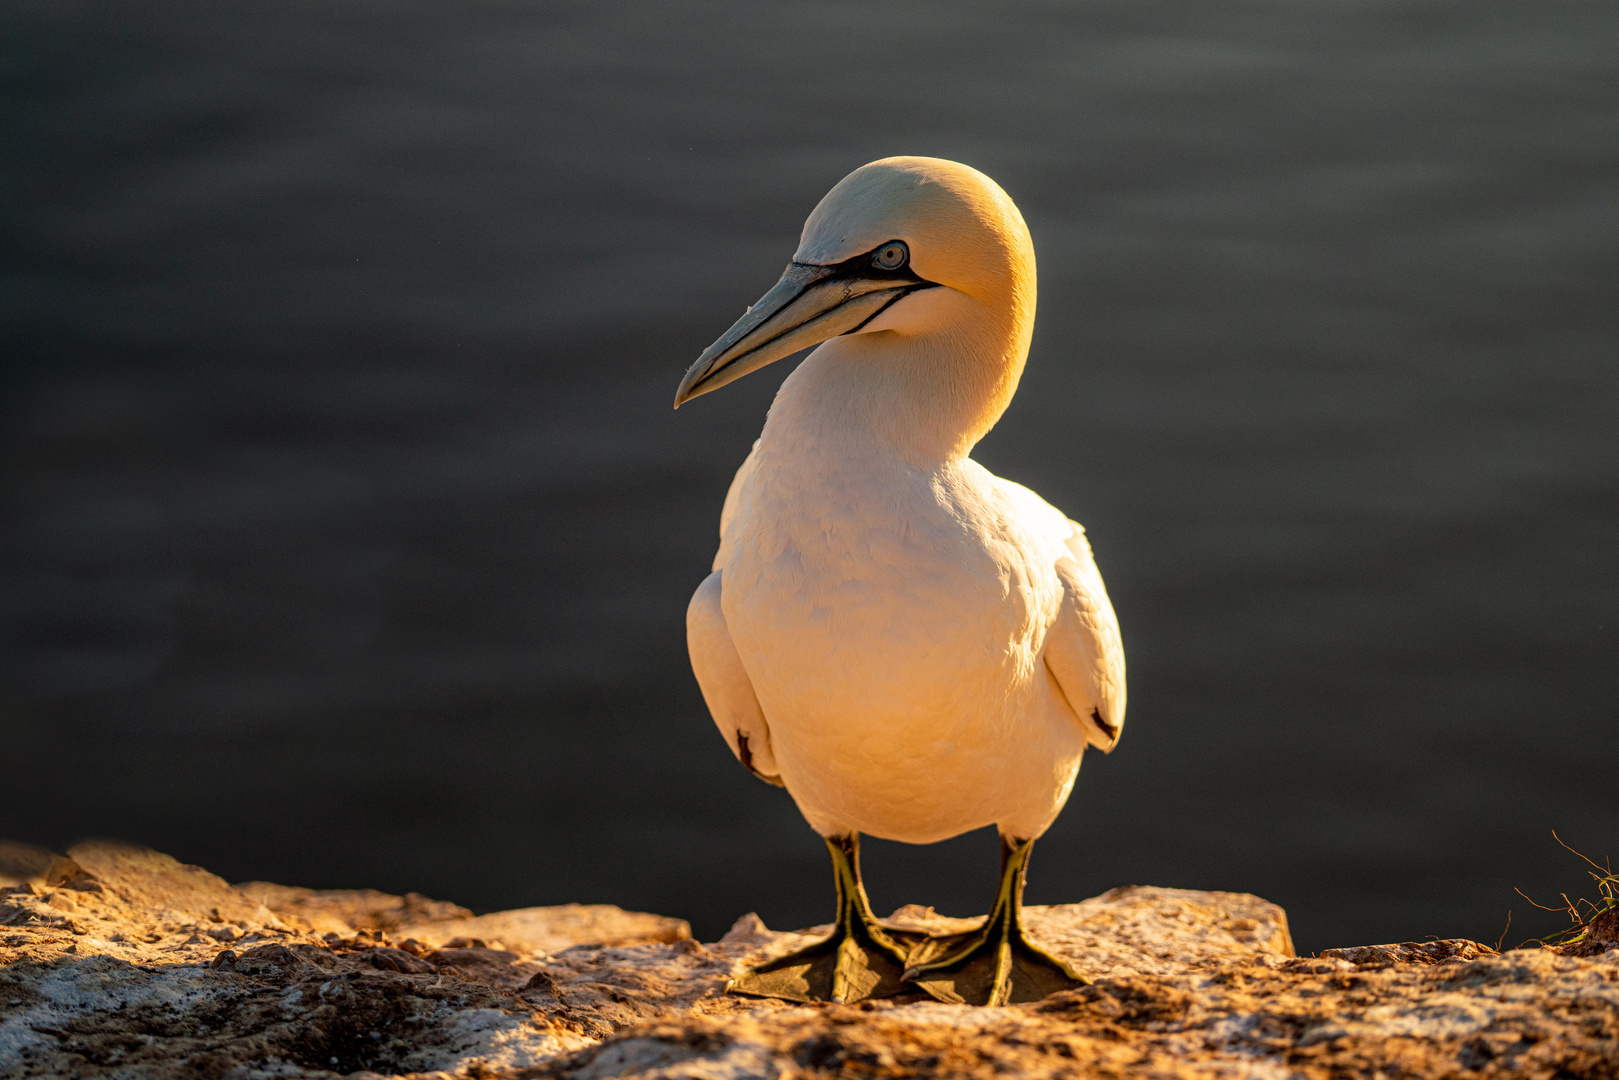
(348, 531)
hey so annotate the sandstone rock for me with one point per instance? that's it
(552, 929)
(24, 864)
(344, 911)
(151, 881)
(1601, 934)
(128, 964)
(433, 922)
(1452, 950)
(1531, 1013)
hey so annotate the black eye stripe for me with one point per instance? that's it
(866, 266)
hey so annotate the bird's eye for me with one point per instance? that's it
(891, 256)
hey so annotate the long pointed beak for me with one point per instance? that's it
(806, 307)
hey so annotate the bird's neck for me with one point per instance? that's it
(924, 398)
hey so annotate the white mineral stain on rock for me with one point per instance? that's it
(489, 1039)
(1447, 1016)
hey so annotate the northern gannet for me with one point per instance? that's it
(910, 645)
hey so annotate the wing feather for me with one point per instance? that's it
(725, 684)
(733, 499)
(1084, 652)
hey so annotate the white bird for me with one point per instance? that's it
(912, 646)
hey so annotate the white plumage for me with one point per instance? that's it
(911, 645)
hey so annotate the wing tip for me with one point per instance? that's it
(1107, 728)
(744, 754)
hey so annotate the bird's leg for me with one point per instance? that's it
(858, 960)
(997, 964)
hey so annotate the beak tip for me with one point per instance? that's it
(688, 385)
(729, 358)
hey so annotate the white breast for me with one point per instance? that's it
(891, 622)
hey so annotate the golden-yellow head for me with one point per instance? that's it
(905, 245)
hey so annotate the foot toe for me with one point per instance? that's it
(977, 978)
(840, 969)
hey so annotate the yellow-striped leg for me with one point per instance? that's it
(996, 964)
(859, 960)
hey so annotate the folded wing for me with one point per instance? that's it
(1083, 650)
(725, 684)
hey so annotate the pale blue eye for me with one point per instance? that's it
(891, 256)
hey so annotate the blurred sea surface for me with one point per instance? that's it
(347, 530)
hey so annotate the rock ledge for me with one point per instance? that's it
(118, 961)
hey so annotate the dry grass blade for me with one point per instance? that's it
(1581, 912)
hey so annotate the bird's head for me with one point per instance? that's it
(905, 246)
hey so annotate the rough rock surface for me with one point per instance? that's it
(434, 922)
(120, 962)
